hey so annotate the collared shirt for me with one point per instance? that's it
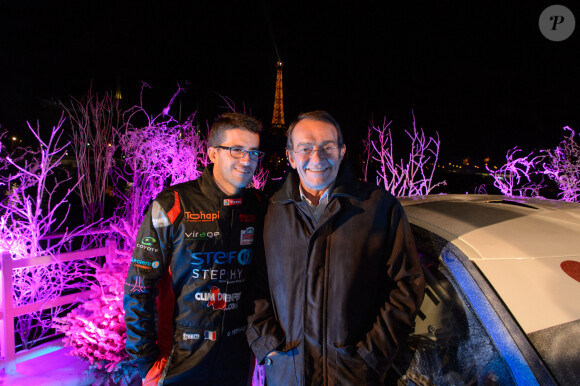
(317, 211)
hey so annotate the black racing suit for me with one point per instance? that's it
(185, 286)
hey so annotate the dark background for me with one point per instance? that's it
(479, 73)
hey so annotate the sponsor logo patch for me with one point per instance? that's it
(145, 264)
(148, 240)
(247, 236)
(218, 300)
(187, 336)
(244, 257)
(209, 335)
(201, 216)
(137, 285)
(232, 201)
(158, 216)
(147, 248)
(247, 217)
(194, 235)
(219, 274)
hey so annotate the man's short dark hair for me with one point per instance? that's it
(317, 115)
(228, 121)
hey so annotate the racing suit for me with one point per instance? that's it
(185, 285)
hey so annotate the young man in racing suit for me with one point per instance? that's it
(185, 286)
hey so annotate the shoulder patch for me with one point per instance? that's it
(158, 216)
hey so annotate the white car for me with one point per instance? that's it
(502, 303)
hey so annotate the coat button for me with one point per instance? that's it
(268, 361)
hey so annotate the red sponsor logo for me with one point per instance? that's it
(247, 236)
(216, 301)
(247, 217)
(232, 201)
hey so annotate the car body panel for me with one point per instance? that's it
(519, 245)
(527, 287)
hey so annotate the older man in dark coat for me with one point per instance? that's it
(341, 281)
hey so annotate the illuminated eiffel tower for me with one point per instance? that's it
(274, 140)
(278, 126)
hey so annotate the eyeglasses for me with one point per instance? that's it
(323, 151)
(240, 152)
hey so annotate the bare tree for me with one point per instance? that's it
(404, 178)
(37, 206)
(94, 124)
(259, 179)
(563, 166)
(516, 177)
(155, 151)
(161, 152)
(367, 143)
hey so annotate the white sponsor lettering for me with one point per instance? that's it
(218, 274)
(210, 296)
(202, 235)
(187, 336)
(150, 249)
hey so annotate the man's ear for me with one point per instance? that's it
(212, 153)
(290, 159)
(342, 152)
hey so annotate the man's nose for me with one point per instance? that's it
(246, 158)
(315, 157)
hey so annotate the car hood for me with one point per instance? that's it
(528, 249)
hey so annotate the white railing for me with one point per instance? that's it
(9, 312)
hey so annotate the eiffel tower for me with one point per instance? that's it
(274, 139)
(278, 126)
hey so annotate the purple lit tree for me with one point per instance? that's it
(36, 206)
(154, 155)
(563, 166)
(96, 329)
(403, 178)
(259, 179)
(160, 153)
(517, 176)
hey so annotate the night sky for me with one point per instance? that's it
(479, 73)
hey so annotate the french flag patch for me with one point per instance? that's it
(210, 335)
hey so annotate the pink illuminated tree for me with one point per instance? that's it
(563, 166)
(410, 177)
(161, 152)
(96, 330)
(259, 179)
(36, 206)
(518, 176)
(154, 154)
